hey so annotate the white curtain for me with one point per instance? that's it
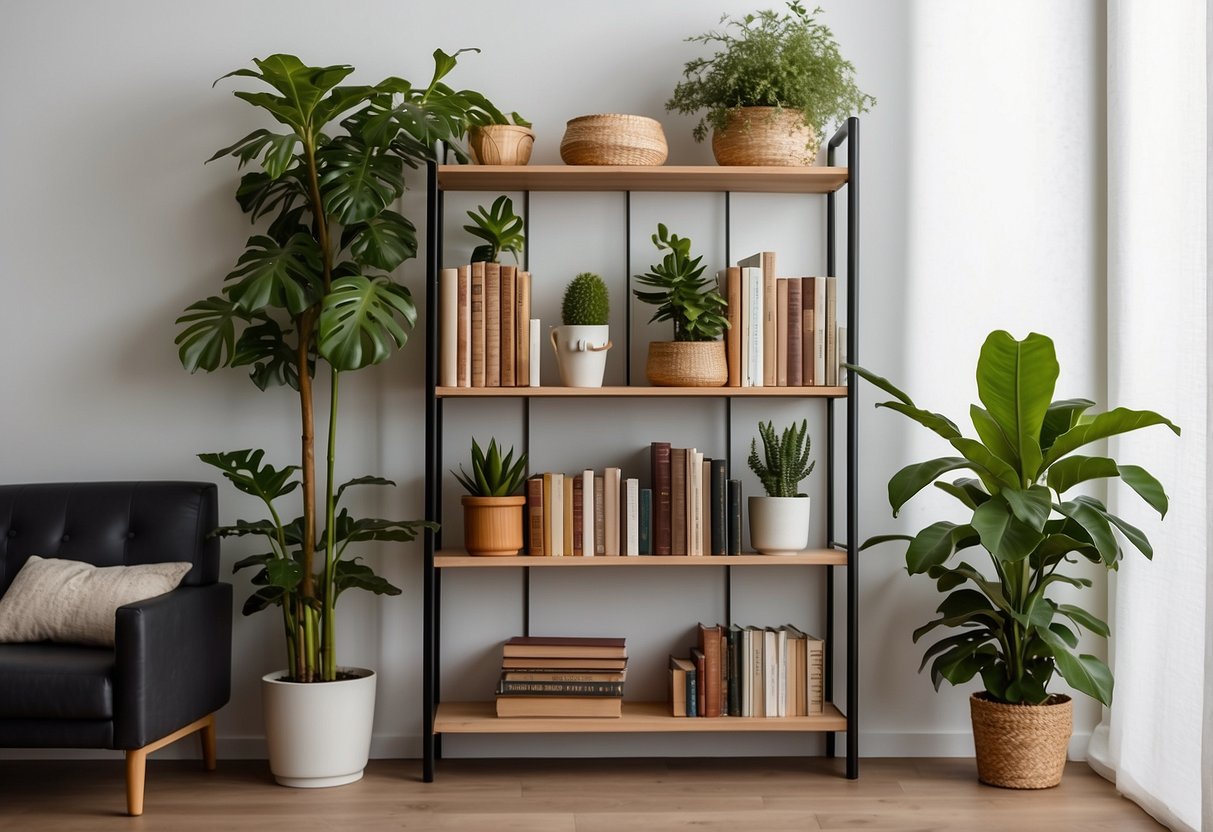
(1150, 743)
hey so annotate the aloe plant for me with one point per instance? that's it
(1011, 631)
(785, 458)
(492, 475)
(314, 286)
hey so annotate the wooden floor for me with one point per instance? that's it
(562, 796)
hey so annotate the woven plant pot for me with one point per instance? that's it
(612, 139)
(687, 364)
(501, 144)
(765, 136)
(1021, 746)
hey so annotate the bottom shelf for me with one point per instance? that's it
(638, 717)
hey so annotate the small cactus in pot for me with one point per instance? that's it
(779, 522)
(581, 343)
(586, 302)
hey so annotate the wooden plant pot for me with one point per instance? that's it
(501, 144)
(687, 364)
(492, 526)
(765, 136)
(1021, 746)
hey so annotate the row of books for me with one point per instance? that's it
(783, 331)
(692, 509)
(487, 337)
(560, 676)
(749, 672)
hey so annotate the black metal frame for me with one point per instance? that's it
(431, 578)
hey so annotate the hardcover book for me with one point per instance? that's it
(610, 506)
(534, 514)
(719, 508)
(659, 457)
(678, 501)
(766, 262)
(478, 332)
(709, 645)
(559, 706)
(795, 329)
(644, 529)
(522, 325)
(565, 647)
(509, 334)
(492, 324)
(448, 327)
(464, 328)
(731, 289)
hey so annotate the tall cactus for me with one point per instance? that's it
(786, 459)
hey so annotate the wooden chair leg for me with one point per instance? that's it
(136, 759)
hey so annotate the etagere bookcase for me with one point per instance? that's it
(840, 551)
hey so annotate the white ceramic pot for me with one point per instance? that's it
(319, 733)
(779, 525)
(581, 354)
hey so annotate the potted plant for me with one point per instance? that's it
(499, 227)
(779, 522)
(505, 140)
(696, 356)
(311, 293)
(1011, 631)
(492, 508)
(774, 83)
(582, 340)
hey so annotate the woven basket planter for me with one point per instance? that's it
(612, 139)
(687, 364)
(765, 136)
(1021, 746)
(501, 144)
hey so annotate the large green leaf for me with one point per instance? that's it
(382, 242)
(209, 338)
(1006, 537)
(302, 88)
(991, 435)
(1133, 534)
(358, 322)
(1103, 425)
(1094, 523)
(245, 470)
(276, 150)
(880, 383)
(1084, 619)
(1060, 417)
(994, 472)
(913, 478)
(259, 195)
(960, 664)
(268, 274)
(1015, 381)
(1069, 472)
(969, 491)
(930, 547)
(350, 574)
(955, 576)
(1085, 672)
(877, 539)
(1146, 486)
(1031, 506)
(937, 422)
(358, 181)
(974, 637)
(274, 361)
(964, 607)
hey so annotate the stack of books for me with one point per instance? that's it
(555, 676)
(487, 337)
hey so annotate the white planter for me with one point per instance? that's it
(319, 733)
(779, 525)
(581, 354)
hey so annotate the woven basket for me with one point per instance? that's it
(501, 144)
(687, 364)
(765, 136)
(1021, 746)
(612, 139)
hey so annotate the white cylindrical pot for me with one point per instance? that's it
(581, 354)
(779, 525)
(319, 733)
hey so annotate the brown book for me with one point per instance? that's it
(509, 335)
(700, 660)
(560, 706)
(463, 324)
(549, 663)
(831, 331)
(492, 324)
(781, 332)
(564, 675)
(599, 516)
(732, 294)
(709, 645)
(565, 647)
(549, 547)
(679, 668)
(766, 261)
(522, 329)
(795, 326)
(659, 463)
(567, 506)
(534, 513)
(578, 516)
(478, 331)
(678, 502)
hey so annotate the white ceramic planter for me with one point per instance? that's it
(779, 525)
(581, 354)
(319, 733)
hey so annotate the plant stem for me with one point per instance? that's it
(328, 650)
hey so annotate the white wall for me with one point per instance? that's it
(982, 208)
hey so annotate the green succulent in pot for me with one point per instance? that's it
(680, 291)
(492, 508)
(784, 463)
(492, 474)
(1009, 628)
(586, 302)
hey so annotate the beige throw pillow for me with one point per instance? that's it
(74, 602)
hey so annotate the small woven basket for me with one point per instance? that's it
(612, 139)
(501, 144)
(687, 364)
(765, 136)
(1021, 746)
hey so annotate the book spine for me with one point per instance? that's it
(697, 656)
(556, 515)
(781, 672)
(578, 522)
(644, 525)
(692, 693)
(492, 324)
(477, 310)
(610, 505)
(719, 508)
(795, 334)
(734, 517)
(831, 358)
(705, 506)
(819, 330)
(506, 687)
(770, 330)
(744, 663)
(747, 371)
(548, 548)
(770, 673)
(678, 501)
(509, 334)
(732, 294)
(781, 333)
(463, 329)
(757, 336)
(733, 670)
(757, 672)
(806, 331)
(709, 645)
(567, 526)
(659, 456)
(448, 327)
(587, 513)
(534, 512)
(816, 675)
(599, 517)
(522, 323)
(556, 676)
(631, 542)
(533, 353)
(693, 502)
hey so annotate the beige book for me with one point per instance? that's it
(522, 322)
(463, 345)
(492, 324)
(766, 262)
(610, 509)
(448, 327)
(478, 332)
(781, 333)
(509, 335)
(731, 289)
(568, 516)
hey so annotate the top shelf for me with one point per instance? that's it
(699, 178)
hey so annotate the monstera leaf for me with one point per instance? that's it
(358, 324)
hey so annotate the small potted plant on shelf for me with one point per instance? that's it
(505, 140)
(582, 340)
(696, 356)
(492, 508)
(775, 83)
(499, 227)
(1011, 633)
(779, 522)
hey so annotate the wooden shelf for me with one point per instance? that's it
(637, 392)
(447, 559)
(638, 717)
(669, 178)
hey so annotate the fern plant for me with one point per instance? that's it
(785, 458)
(499, 227)
(492, 475)
(682, 294)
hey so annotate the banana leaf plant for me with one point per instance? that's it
(1009, 629)
(314, 289)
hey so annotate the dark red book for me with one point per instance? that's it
(709, 645)
(578, 519)
(534, 515)
(659, 453)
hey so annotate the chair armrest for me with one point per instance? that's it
(172, 662)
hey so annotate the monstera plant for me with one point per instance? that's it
(313, 293)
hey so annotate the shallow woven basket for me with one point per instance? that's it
(687, 364)
(1021, 746)
(612, 139)
(765, 136)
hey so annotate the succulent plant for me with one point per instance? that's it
(586, 302)
(683, 294)
(786, 458)
(493, 476)
(499, 227)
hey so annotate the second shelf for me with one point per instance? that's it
(448, 558)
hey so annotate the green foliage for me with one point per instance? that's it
(499, 227)
(785, 458)
(682, 294)
(586, 302)
(315, 285)
(493, 476)
(768, 59)
(1012, 633)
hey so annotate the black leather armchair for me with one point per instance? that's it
(170, 668)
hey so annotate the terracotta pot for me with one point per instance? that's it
(1021, 746)
(687, 364)
(492, 526)
(501, 144)
(765, 136)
